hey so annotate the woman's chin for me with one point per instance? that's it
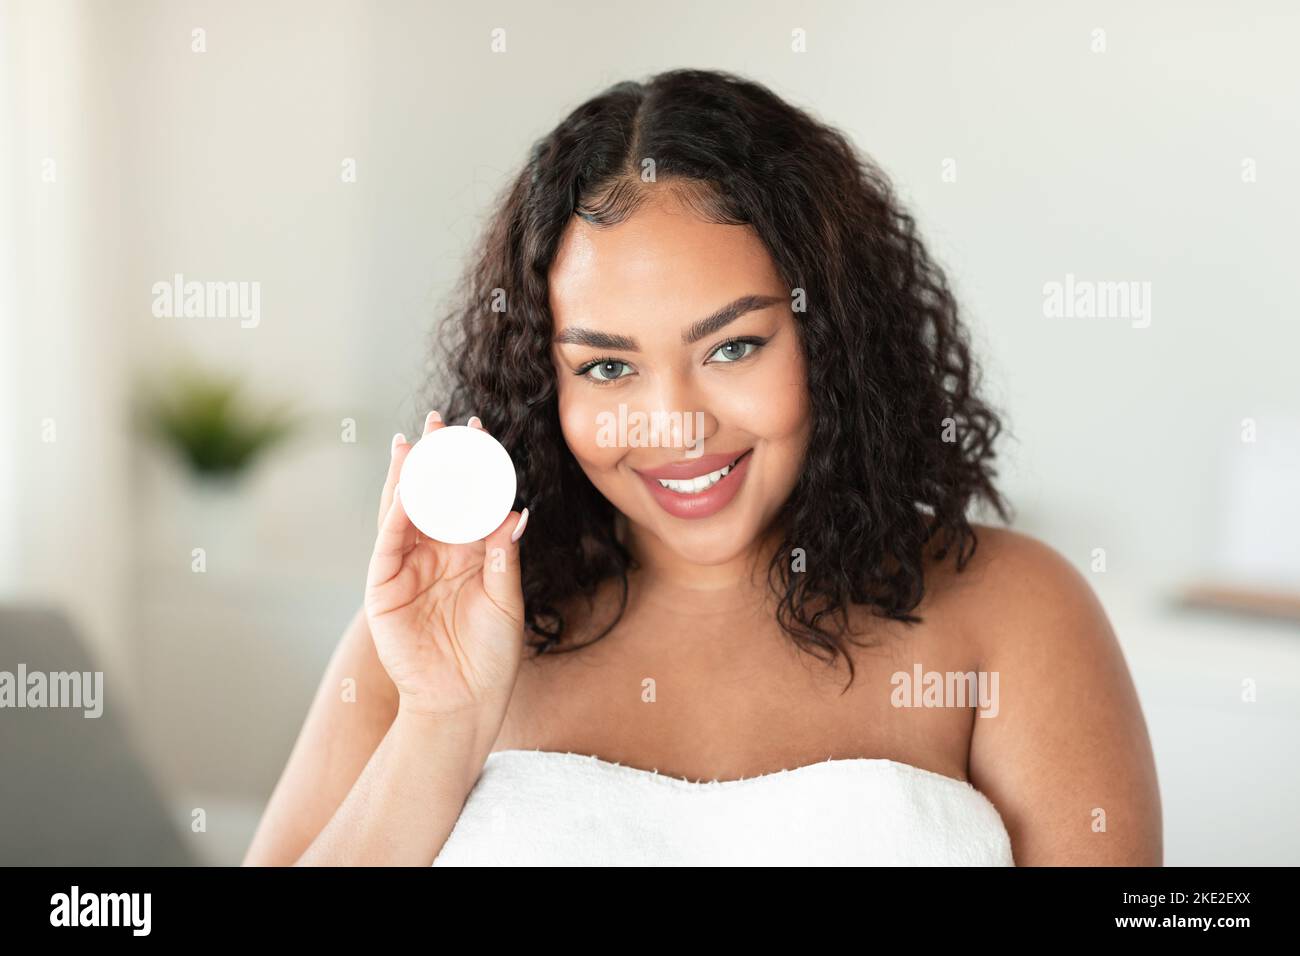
(708, 542)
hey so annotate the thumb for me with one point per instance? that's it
(501, 580)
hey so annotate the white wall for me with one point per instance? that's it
(63, 450)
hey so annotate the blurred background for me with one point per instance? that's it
(187, 502)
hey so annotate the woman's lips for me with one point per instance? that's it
(704, 503)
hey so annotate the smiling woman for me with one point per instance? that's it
(740, 366)
(735, 615)
(763, 275)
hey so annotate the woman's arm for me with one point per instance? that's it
(411, 701)
(1067, 753)
(341, 732)
(369, 782)
(407, 799)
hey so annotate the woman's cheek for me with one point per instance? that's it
(772, 406)
(789, 401)
(580, 416)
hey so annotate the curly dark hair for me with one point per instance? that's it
(901, 444)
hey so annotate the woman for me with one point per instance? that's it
(743, 644)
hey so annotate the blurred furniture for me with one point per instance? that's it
(74, 790)
(1221, 696)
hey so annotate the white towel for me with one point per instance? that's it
(547, 808)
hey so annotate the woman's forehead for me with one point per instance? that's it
(656, 262)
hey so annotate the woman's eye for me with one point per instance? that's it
(735, 351)
(606, 371)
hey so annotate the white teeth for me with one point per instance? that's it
(693, 486)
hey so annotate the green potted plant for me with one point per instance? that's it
(207, 420)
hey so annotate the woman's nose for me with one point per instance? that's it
(681, 403)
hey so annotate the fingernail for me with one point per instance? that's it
(431, 419)
(519, 528)
(435, 415)
(397, 440)
(474, 422)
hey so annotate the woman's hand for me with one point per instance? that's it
(447, 619)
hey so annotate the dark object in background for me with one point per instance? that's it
(73, 790)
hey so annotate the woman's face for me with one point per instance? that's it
(644, 312)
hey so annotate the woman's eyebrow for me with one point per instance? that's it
(726, 315)
(707, 326)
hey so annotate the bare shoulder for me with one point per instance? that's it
(1066, 757)
(1014, 586)
(1007, 558)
